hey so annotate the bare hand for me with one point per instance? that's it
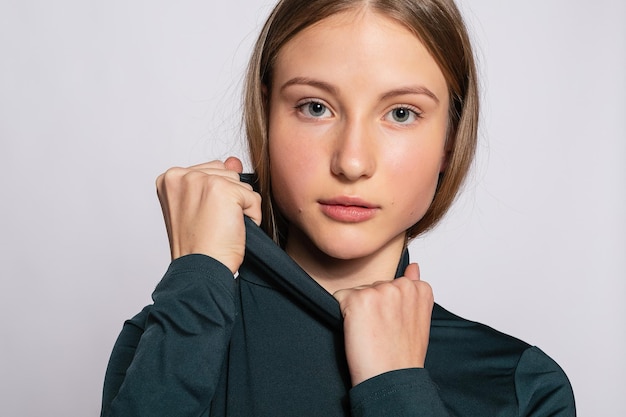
(386, 325)
(203, 208)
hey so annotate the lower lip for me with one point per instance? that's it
(348, 214)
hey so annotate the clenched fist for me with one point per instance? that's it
(386, 325)
(203, 208)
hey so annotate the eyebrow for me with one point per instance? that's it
(419, 90)
(309, 81)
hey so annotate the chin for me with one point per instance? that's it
(348, 248)
(344, 253)
(345, 242)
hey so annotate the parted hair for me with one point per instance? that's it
(436, 23)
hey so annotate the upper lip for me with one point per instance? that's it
(348, 201)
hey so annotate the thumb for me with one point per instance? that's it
(234, 164)
(412, 272)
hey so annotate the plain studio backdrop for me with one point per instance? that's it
(97, 98)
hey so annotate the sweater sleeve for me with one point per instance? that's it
(542, 387)
(401, 393)
(167, 359)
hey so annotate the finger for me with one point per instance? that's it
(231, 163)
(227, 174)
(251, 206)
(234, 164)
(340, 295)
(343, 292)
(412, 272)
(209, 169)
(215, 164)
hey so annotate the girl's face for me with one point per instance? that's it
(357, 132)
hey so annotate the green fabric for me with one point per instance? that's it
(271, 344)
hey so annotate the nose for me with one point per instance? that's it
(354, 151)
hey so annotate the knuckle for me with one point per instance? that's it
(340, 296)
(405, 285)
(425, 291)
(365, 298)
(171, 176)
(380, 294)
(424, 286)
(189, 174)
(390, 289)
(357, 296)
(173, 172)
(215, 183)
(167, 180)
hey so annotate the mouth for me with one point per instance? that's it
(348, 202)
(348, 209)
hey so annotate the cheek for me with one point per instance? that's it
(421, 162)
(415, 194)
(287, 169)
(414, 177)
(296, 153)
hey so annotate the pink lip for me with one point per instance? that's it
(348, 209)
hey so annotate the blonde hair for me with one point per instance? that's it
(439, 26)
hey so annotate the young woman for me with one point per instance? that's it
(361, 118)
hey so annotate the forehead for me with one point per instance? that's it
(347, 27)
(359, 44)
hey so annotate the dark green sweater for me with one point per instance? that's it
(270, 344)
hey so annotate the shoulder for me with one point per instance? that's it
(447, 327)
(478, 366)
(540, 383)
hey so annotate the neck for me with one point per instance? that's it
(334, 274)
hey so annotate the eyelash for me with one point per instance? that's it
(417, 114)
(300, 107)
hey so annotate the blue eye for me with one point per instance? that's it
(314, 109)
(403, 115)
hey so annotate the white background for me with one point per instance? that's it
(97, 98)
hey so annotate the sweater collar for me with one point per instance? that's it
(281, 272)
